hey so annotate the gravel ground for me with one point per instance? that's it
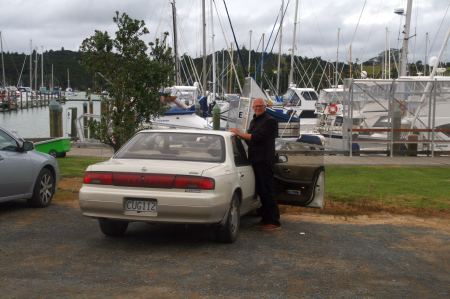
(58, 253)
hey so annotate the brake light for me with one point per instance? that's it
(101, 178)
(194, 182)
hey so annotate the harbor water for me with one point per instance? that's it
(35, 122)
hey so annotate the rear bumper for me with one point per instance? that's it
(173, 206)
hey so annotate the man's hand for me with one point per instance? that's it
(235, 131)
(240, 134)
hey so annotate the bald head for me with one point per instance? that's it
(259, 106)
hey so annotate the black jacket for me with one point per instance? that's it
(264, 130)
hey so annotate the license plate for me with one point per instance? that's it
(141, 207)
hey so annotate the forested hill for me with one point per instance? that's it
(62, 60)
(308, 72)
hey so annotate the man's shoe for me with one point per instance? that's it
(270, 227)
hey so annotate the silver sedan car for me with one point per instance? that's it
(189, 177)
(25, 173)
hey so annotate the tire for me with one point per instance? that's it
(228, 232)
(113, 228)
(44, 189)
(52, 153)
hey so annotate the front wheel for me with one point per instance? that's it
(113, 228)
(228, 231)
(44, 188)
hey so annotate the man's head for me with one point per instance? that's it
(259, 106)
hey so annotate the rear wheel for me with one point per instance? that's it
(228, 231)
(44, 188)
(113, 228)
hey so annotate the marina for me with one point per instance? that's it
(34, 122)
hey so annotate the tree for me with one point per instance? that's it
(134, 73)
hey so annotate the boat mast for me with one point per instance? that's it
(426, 55)
(249, 52)
(262, 63)
(68, 79)
(213, 55)
(279, 46)
(31, 63)
(52, 79)
(204, 47)
(3, 63)
(175, 46)
(42, 66)
(404, 53)
(336, 82)
(35, 68)
(291, 72)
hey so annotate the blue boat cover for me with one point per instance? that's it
(282, 117)
(180, 111)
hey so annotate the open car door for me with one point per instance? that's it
(301, 181)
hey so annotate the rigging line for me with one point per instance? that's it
(159, 22)
(5, 43)
(268, 41)
(302, 76)
(439, 29)
(271, 33)
(235, 41)
(229, 54)
(279, 28)
(357, 24)
(185, 69)
(196, 76)
(270, 37)
(312, 74)
(369, 35)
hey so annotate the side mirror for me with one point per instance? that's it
(27, 146)
(282, 159)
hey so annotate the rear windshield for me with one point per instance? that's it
(200, 147)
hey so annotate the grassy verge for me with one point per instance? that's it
(407, 187)
(348, 189)
(75, 166)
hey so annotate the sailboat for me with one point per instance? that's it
(69, 92)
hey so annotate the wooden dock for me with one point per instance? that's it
(15, 100)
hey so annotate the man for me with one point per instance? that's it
(261, 152)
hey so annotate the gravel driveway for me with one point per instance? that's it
(57, 253)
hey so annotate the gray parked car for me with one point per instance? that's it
(25, 173)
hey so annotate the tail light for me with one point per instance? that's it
(149, 180)
(194, 182)
(101, 178)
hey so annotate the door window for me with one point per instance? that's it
(239, 153)
(7, 143)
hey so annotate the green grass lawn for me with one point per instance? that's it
(409, 187)
(75, 166)
(413, 187)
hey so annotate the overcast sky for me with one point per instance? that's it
(52, 24)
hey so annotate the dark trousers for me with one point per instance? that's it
(264, 189)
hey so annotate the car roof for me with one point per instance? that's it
(188, 131)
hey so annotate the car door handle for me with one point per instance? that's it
(241, 175)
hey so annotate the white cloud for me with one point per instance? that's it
(65, 23)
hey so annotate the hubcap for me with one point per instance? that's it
(46, 189)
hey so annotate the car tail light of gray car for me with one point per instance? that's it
(149, 180)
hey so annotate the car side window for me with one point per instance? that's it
(240, 156)
(7, 143)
